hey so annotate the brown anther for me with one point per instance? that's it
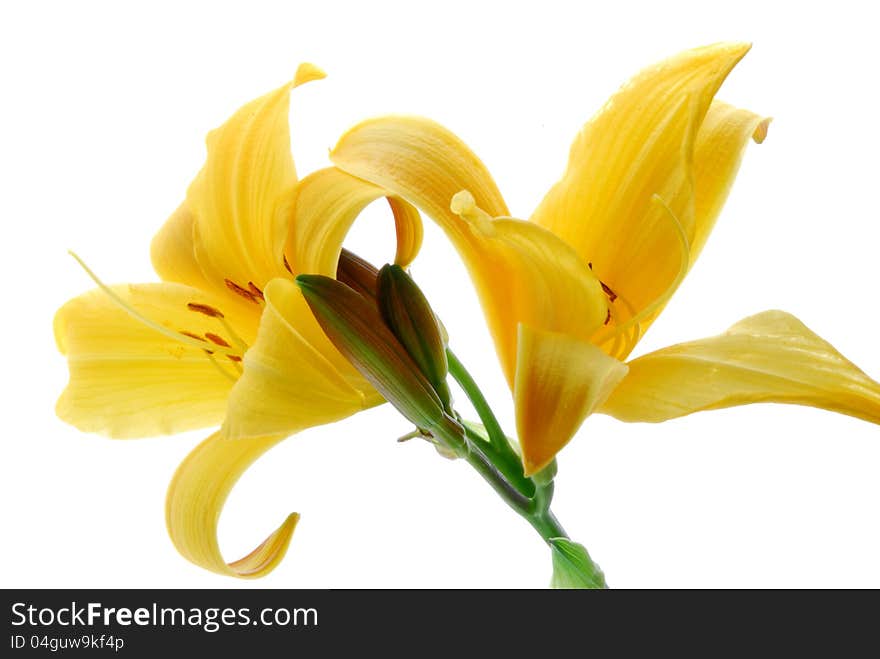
(208, 352)
(235, 288)
(286, 264)
(192, 335)
(605, 287)
(218, 340)
(608, 317)
(234, 358)
(206, 309)
(252, 287)
(611, 294)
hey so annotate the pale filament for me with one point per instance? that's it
(189, 339)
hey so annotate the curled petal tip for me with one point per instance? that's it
(269, 554)
(760, 133)
(736, 48)
(307, 72)
(195, 501)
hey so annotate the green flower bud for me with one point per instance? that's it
(355, 326)
(407, 313)
(356, 273)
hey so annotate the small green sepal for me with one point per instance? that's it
(573, 567)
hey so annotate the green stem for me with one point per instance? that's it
(535, 508)
(501, 467)
(496, 435)
(499, 450)
(492, 475)
(547, 526)
(509, 466)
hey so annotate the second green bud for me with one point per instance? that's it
(407, 313)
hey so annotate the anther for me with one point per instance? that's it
(611, 294)
(206, 309)
(607, 316)
(286, 264)
(192, 335)
(252, 287)
(234, 358)
(235, 288)
(605, 287)
(218, 340)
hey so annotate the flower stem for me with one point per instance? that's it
(470, 388)
(505, 458)
(535, 508)
(499, 464)
(493, 457)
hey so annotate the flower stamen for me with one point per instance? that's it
(216, 313)
(243, 292)
(216, 339)
(180, 337)
(252, 287)
(226, 374)
(236, 339)
(236, 363)
(205, 309)
(605, 287)
(192, 335)
(633, 325)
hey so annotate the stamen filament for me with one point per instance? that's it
(236, 339)
(216, 364)
(171, 334)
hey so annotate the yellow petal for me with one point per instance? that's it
(640, 145)
(522, 273)
(196, 497)
(172, 251)
(768, 358)
(409, 230)
(559, 382)
(321, 210)
(720, 146)
(420, 157)
(293, 376)
(131, 379)
(237, 232)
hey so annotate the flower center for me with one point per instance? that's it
(624, 327)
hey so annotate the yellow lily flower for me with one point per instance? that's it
(568, 294)
(227, 328)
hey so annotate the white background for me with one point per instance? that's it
(103, 115)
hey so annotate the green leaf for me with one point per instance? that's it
(573, 567)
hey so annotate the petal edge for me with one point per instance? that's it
(768, 357)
